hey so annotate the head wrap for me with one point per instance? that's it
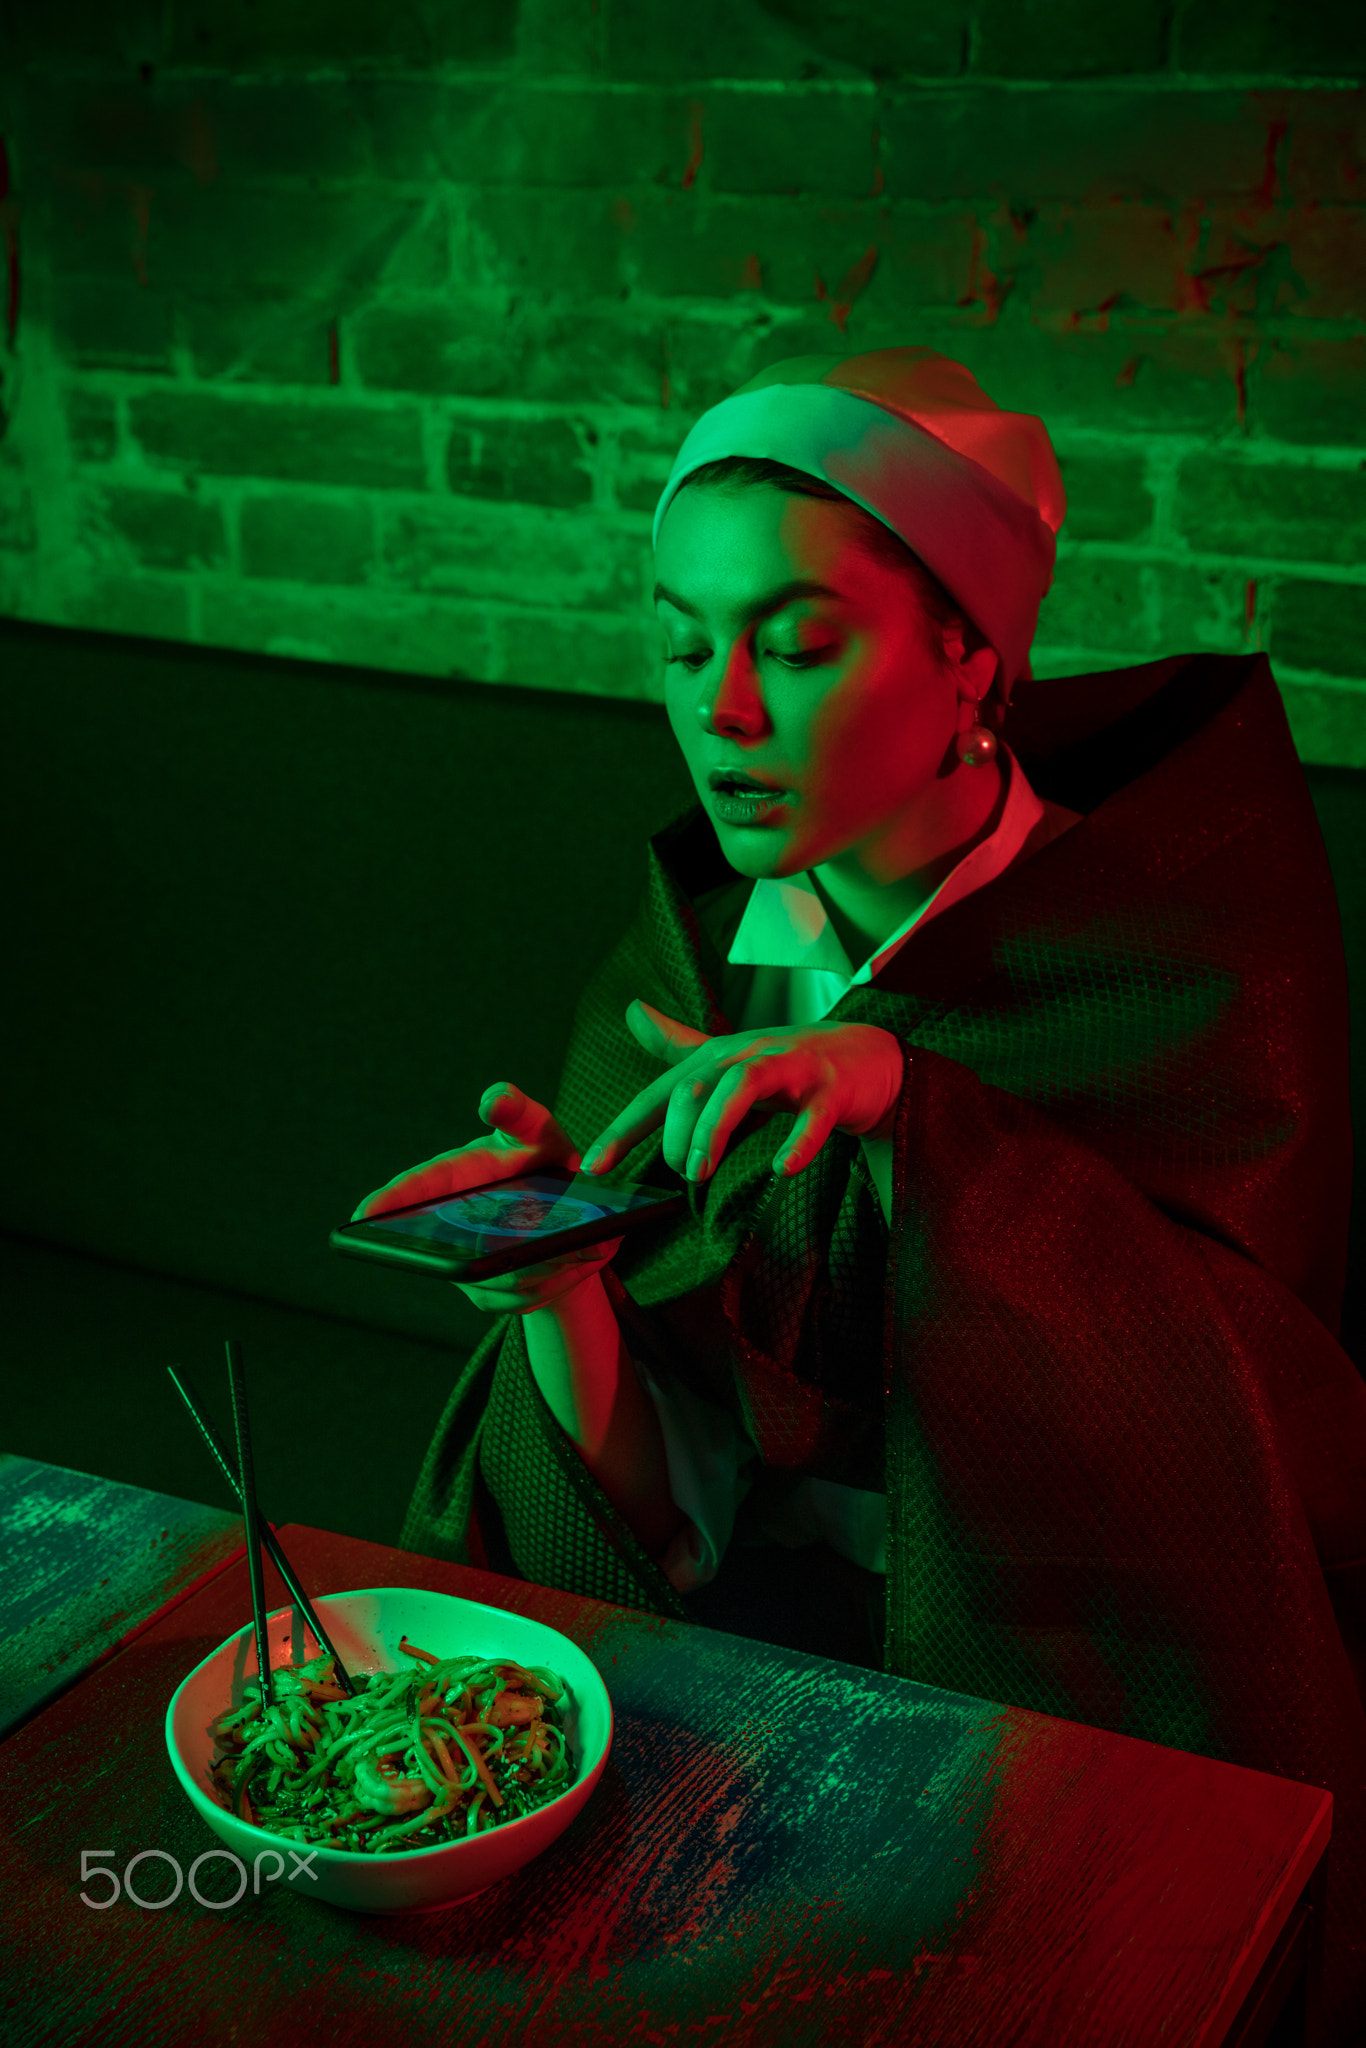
(910, 436)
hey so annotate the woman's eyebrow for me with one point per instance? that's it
(774, 602)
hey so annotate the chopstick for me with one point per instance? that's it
(251, 1515)
(275, 1550)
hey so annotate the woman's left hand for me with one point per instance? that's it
(837, 1077)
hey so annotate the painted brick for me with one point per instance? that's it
(267, 127)
(162, 529)
(228, 127)
(128, 602)
(339, 241)
(670, 362)
(1066, 39)
(541, 241)
(99, 228)
(523, 133)
(773, 143)
(480, 347)
(1311, 390)
(18, 597)
(112, 324)
(922, 260)
(257, 338)
(340, 32)
(183, 236)
(537, 462)
(1127, 252)
(109, 127)
(17, 527)
(1252, 260)
(307, 539)
(642, 466)
(426, 128)
(1202, 610)
(1326, 246)
(1326, 725)
(882, 37)
(333, 442)
(1313, 38)
(796, 255)
(406, 635)
(1258, 261)
(421, 260)
(1107, 495)
(1098, 374)
(514, 555)
(1098, 604)
(1324, 154)
(675, 248)
(1294, 511)
(469, 346)
(1030, 148)
(91, 424)
(1320, 626)
(562, 39)
(782, 39)
(102, 36)
(593, 656)
(1045, 660)
(705, 361)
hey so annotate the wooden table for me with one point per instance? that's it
(783, 1850)
(87, 1563)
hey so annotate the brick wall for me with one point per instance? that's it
(367, 334)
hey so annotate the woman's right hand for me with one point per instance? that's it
(525, 1137)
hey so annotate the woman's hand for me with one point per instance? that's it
(844, 1077)
(525, 1138)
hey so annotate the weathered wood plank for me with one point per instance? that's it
(86, 1562)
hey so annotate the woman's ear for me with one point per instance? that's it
(974, 676)
(968, 655)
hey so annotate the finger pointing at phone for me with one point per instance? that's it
(525, 1137)
(843, 1077)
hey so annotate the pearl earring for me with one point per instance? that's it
(978, 744)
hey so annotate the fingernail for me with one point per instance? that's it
(697, 1164)
(590, 1159)
(780, 1165)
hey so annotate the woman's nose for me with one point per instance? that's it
(734, 708)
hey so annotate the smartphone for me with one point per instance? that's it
(506, 1223)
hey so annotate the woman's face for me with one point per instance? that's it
(803, 681)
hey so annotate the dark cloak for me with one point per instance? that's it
(1094, 1361)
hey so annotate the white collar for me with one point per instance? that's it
(785, 923)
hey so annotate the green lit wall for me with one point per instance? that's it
(365, 334)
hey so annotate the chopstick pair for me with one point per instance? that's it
(258, 1530)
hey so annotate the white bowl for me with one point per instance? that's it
(365, 1629)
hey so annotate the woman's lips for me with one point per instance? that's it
(739, 799)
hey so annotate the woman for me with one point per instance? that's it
(998, 1031)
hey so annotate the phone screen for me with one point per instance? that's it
(507, 1223)
(531, 1206)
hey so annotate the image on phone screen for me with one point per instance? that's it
(507, 1223)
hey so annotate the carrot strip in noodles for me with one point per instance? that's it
(411, 1650)
(476, 1757)
(443, 1757)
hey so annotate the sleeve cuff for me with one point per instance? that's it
(708, 1460)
